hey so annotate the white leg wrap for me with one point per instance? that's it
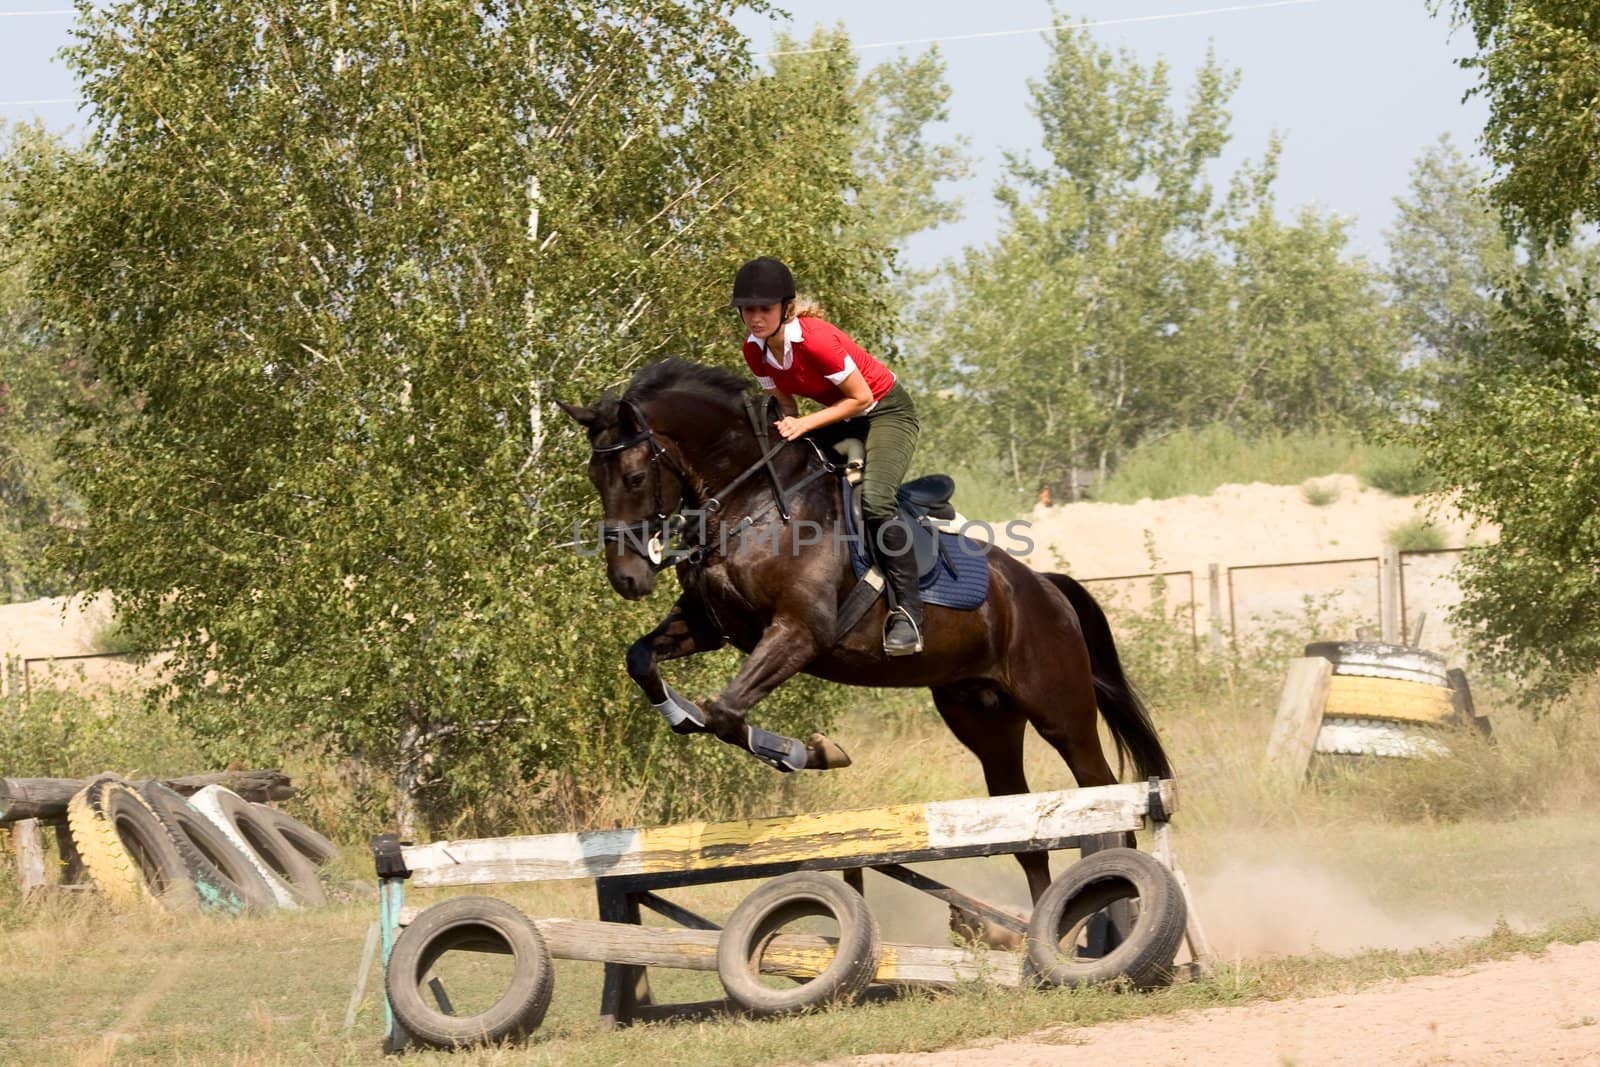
(677, 710)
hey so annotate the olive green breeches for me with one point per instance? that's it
(891, 438)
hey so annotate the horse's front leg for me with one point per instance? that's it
(686, 630)
(783, 651)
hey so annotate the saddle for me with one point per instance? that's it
(953, 571)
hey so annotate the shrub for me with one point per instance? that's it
(1399, 470)
(1416, 535)
(1319, 494)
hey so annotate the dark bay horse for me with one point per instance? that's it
(1038, 650)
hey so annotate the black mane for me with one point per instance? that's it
(686, 376)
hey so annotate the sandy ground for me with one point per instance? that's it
(1525, 1010)
(1235, 525)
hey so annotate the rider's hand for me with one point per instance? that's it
(790, 428)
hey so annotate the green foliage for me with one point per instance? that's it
(1197, 461)
(333, 264)
(1447, 258)
(1416, 535)
(1123, 300)
(1520, 444)
(1538, 67)
(40, 374)
(63, 734)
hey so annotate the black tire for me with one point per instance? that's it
(1095, 882)
(224, 877)
(1378, 659)
(126, 849)
(473, 924)
(310, 844)
(762, 914)
(281, 857)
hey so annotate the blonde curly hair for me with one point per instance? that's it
(806, 307)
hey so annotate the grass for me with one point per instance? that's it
(1197, 461)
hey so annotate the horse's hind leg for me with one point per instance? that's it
(1057, 697)
(985, 720)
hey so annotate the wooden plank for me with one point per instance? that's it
(30, 856)
(1294, 730)
(46, 798)
(791, 955)
(902, 833)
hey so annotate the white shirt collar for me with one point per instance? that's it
(791, 334)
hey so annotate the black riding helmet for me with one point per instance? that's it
(762, 281)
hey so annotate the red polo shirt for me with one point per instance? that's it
(817, 356)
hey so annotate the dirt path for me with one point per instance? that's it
(1532, 1010)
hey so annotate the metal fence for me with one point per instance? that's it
(1394, 595)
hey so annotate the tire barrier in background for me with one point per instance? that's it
(126, 848)
(470, 924)
(1091, 885)
(291, 876)
(306, 841)
(1391, 701)
(225, 878)
(762, 914)
(1378, 659)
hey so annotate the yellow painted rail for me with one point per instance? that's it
(899, 833)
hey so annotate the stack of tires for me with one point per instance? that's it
(1390, 701)
(142, 842)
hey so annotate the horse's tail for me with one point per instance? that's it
(1124, 712)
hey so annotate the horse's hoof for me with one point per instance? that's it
(823, 755)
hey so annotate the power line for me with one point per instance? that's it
(24, 14)
(38, 103)
(1043, 29)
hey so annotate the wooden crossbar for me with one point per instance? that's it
(898, 834)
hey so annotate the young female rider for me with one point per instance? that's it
(794, 355)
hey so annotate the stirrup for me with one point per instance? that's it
(915, 629)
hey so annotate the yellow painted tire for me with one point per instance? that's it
(126, 849)
(1356, 697)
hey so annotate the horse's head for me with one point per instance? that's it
(640, 484)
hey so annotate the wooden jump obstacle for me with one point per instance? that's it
(629, 866)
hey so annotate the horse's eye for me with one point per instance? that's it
(634, 480)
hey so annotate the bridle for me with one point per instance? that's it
(640, 532)
(650, 534)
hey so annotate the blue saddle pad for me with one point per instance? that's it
(959, 577)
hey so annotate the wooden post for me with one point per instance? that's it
(1215, 596)
(30, 856)
(1389, 624)
(626, 987)
(1294, 731)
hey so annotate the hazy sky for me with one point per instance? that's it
(1357, 87)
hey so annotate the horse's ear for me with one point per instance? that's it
(588, 418)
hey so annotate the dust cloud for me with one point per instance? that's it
(1281, 908)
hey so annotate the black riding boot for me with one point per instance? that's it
(902, 631)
